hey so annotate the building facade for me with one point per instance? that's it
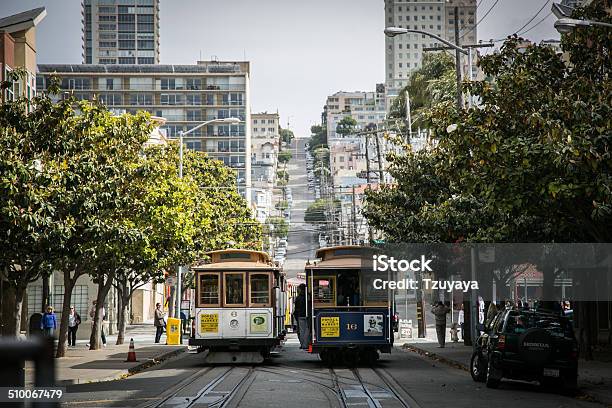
(265, 145)
(364, 107)
(18, 50)
(120, 31)
(404, 53)
(185, 95)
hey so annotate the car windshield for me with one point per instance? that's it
(557, 326)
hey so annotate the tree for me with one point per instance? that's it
(279, 227)
(282, 175)
(433, 83)
(346, 126)
(286, 135)
(318, 137)
(530, 164)
(315, 213)
(284, 156)
(281, 205)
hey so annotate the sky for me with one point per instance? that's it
(301, 51)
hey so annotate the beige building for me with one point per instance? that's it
(364, 107)
(18, 50)
(185, 95)
(265, 145)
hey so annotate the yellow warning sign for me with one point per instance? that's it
(330, 327)
(209, 323)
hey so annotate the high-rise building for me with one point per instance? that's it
(120, 31)
(265, 144)
(185, 95)
(404, 53)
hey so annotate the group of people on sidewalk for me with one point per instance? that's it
(48, 323)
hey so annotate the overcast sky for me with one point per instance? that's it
(300, 50)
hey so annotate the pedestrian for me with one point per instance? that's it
(299, 314)
(158, 322)
(440, 311)
(73, 325)
(491, 313)
(461, 319)
(48, 324)
(92, 314)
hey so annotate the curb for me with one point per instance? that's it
(127, 372)
(437, 357)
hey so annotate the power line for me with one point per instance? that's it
(479, 20)
(536, 24)
(533, 17)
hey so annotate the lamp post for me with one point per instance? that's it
(567, 25)
(394, 31)
(177, 312)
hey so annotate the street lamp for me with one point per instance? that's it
(395, 31)
(177, 312)
(567, 25)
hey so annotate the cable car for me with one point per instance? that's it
(348, 318)
(240, 306)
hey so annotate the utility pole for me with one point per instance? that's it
(354, 236)
(458, 61)
(380, 166)
(367, 157)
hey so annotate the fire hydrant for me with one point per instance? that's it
(453, 331)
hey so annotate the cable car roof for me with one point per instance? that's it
(344, 256)
(232, 259)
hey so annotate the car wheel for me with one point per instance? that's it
(492, 380)
(477, 367)
(569, 384)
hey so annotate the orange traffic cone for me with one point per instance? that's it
(131, 358)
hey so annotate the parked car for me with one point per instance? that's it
(527, 345)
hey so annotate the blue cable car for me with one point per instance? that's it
(349, 320)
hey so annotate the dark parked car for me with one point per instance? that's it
(527, 345)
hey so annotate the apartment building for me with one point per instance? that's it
(120, 31)
(404, 53)
(18, 50)
(265, 145)
(185, 95)
(364, 107)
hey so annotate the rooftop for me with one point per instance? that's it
(22, 21)
(211, 68)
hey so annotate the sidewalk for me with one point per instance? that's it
(594, 377)
(82, 365)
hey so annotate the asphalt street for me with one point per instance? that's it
(302, 240)
(294, 378)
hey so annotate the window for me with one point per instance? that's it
(194, 99)
(171, 99)
(107, 27)
(324, 291)
(107, 18)
(194, 145)
(234, 289)
(259, 290)
(141, 99)
(108, 44)
(146, 60)
(193, 83)
(208, 288)
(106, 9)
(127, 44)
(127, 60)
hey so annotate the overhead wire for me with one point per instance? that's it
(533, 17)
(479, 20)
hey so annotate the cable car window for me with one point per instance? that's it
(260, 289)
(234, 255)
(209, 289)
(371, 295)
(234, 289)
(324, 291)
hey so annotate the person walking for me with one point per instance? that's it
(48, 324)
(73, 325)
(158, 322)
(299, 314)
(461, 319)
(440, 311)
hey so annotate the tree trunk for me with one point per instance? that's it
(16, 318)
(103, 288)
(120, 314)
(46, 278)
(62, 339)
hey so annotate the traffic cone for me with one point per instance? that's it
(131, 358)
